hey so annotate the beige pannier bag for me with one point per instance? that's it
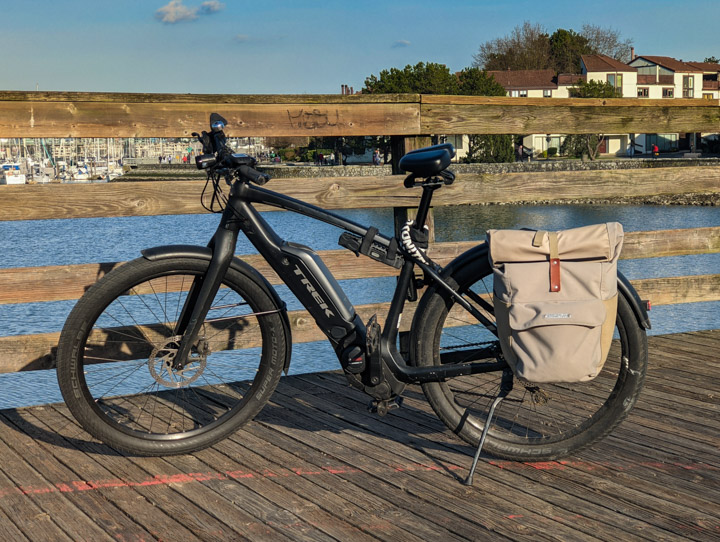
(555, 296)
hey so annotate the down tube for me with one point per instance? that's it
(304, 272)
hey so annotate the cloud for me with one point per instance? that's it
(400, 43)
(175, 11)
(242, 38)
(211, 6)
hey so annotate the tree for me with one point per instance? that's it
(566, 46)
(477, 82)
(712, 60)
(422, 78)
(526, 48)
(430, 78)
(606, 41)
(530, 47)
(579, 144)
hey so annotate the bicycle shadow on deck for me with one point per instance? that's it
(314, 408)
(290, 413)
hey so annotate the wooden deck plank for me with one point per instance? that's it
(351, 431)
(67, 444)
(201, 511)
(285, 485)
(315, 466)
(609, 528)
(402, 474)
(373, 494)
(88, 514)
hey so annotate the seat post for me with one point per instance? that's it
(424, 208)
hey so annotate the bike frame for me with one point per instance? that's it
(313, 284)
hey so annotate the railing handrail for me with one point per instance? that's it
(74, 114)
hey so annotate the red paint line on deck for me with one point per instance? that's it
(75, 486)
(587, 465)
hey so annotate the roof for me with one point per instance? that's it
(604, 63)
(525, 79)
(670, 63)
(568, 79)
(705, 66)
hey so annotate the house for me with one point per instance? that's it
(710, 72)
(665, 77)
(645, 77)
(531, 84)
(607, 69)
(527, 83)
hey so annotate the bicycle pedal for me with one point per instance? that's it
(382, 407)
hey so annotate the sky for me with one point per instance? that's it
(299, 46)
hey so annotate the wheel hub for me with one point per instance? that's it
(162, 359)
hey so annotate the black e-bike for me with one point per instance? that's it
(173, 351)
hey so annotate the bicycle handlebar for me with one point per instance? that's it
(253, 175)
(216, 154)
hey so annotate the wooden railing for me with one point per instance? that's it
(403, 116)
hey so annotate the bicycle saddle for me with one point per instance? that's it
(428, 161)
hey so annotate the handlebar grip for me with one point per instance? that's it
(253, 175)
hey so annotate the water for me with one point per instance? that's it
(64, 242)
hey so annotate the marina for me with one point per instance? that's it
(68, 160)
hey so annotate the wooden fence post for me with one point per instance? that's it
(401, 145)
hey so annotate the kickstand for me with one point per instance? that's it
(506, 385)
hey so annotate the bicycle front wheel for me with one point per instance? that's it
(535, 421)
(116, 351)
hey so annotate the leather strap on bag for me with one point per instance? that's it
(554, 256)
(554, 262)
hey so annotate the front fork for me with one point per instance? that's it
(204, 288)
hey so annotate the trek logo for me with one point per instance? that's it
(314, 293)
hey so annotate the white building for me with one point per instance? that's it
(645, 77)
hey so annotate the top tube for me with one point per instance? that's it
(255, 194)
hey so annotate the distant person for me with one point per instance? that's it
(655, 150)
(376, 157)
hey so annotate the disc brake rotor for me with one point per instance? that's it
(161, 362)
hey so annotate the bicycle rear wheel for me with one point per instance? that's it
(535, 421)
(116, 350)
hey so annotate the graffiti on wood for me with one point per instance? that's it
(311, 119)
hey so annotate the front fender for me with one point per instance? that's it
(205, 253)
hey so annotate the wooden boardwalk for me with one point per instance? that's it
(315, 466)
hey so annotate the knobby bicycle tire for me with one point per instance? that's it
(538, 422)
(116, 349)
